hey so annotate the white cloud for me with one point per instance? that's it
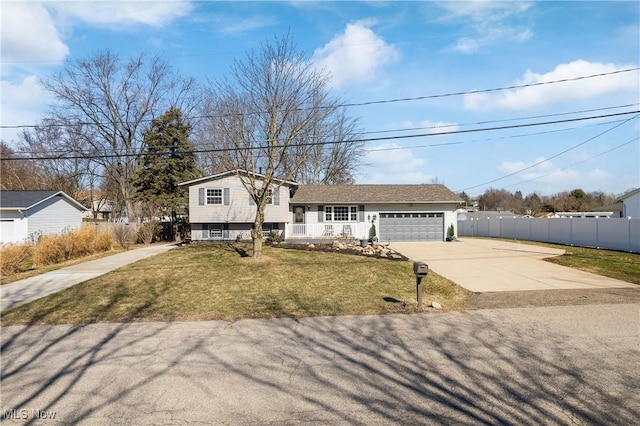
(29, 34)
(549, 94)
(21, 103)
(386, 163)
(242, 26)
(356, 55)
(109, 13)
(490, 20)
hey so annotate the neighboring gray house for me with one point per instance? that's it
(27, 214)
(221, 208)
(631, 204)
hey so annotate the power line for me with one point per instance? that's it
(485, 129)
(367, 103)
(524, 135)
(575, 164)
(455, 125)
(552, 157)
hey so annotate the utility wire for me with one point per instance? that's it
(260, 147)
(552, 157)
(523, 135)
(452, 125)
(574, 164)
(378, 102)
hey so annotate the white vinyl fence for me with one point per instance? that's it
(608, 233)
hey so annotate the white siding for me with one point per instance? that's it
(631, 206)
(238, 214)
(53, 216)
(449, 211)
(240, 209)
(13, 227)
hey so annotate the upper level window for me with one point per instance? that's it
(341, 213)
(214, 196)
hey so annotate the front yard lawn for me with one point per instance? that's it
(215, 281)
(613, 264)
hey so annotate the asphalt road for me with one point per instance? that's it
(525, 366)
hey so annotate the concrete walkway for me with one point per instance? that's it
(23, 291)
(488, 265)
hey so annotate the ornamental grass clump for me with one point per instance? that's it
(15, 258)
(74, 244)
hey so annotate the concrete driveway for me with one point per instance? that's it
(487, 265)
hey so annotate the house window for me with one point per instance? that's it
(215, 231)
(270, 196)
(341, 213)
(214, 196)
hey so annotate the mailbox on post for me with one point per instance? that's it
(421, 269)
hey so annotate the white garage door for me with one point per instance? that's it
(411, 226)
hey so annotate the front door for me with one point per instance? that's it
(298, 214)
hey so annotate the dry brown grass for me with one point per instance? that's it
(53, 250)
(15, 258)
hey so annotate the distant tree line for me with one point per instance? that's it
(567, 201)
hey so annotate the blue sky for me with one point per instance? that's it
(384, 51)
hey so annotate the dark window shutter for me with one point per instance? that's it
(361, 213)
(225, 230)
(225, 196)
(320, 213)
(201, 196)
(276, 196)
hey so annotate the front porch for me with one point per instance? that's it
(347, 230)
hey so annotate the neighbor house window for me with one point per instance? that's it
(341, 213)
(214, 196)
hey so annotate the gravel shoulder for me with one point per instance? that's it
(541, 298)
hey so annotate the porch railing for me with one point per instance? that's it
(328, 230)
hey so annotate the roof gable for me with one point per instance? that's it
(628, 194)
(28, 199)
(232, 173)
(375, 194)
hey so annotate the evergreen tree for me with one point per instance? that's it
(167, 159)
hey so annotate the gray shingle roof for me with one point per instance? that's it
(27, 199)
(374, 194)
(23, 199)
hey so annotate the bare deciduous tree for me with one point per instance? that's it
(18, 174)
(114, 100)
(269, 118)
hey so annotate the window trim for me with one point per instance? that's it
(330, 213)
(207, 197)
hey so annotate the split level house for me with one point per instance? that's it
(221, 208)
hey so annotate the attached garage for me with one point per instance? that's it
(411, 226)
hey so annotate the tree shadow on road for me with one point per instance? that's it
(476, 368)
